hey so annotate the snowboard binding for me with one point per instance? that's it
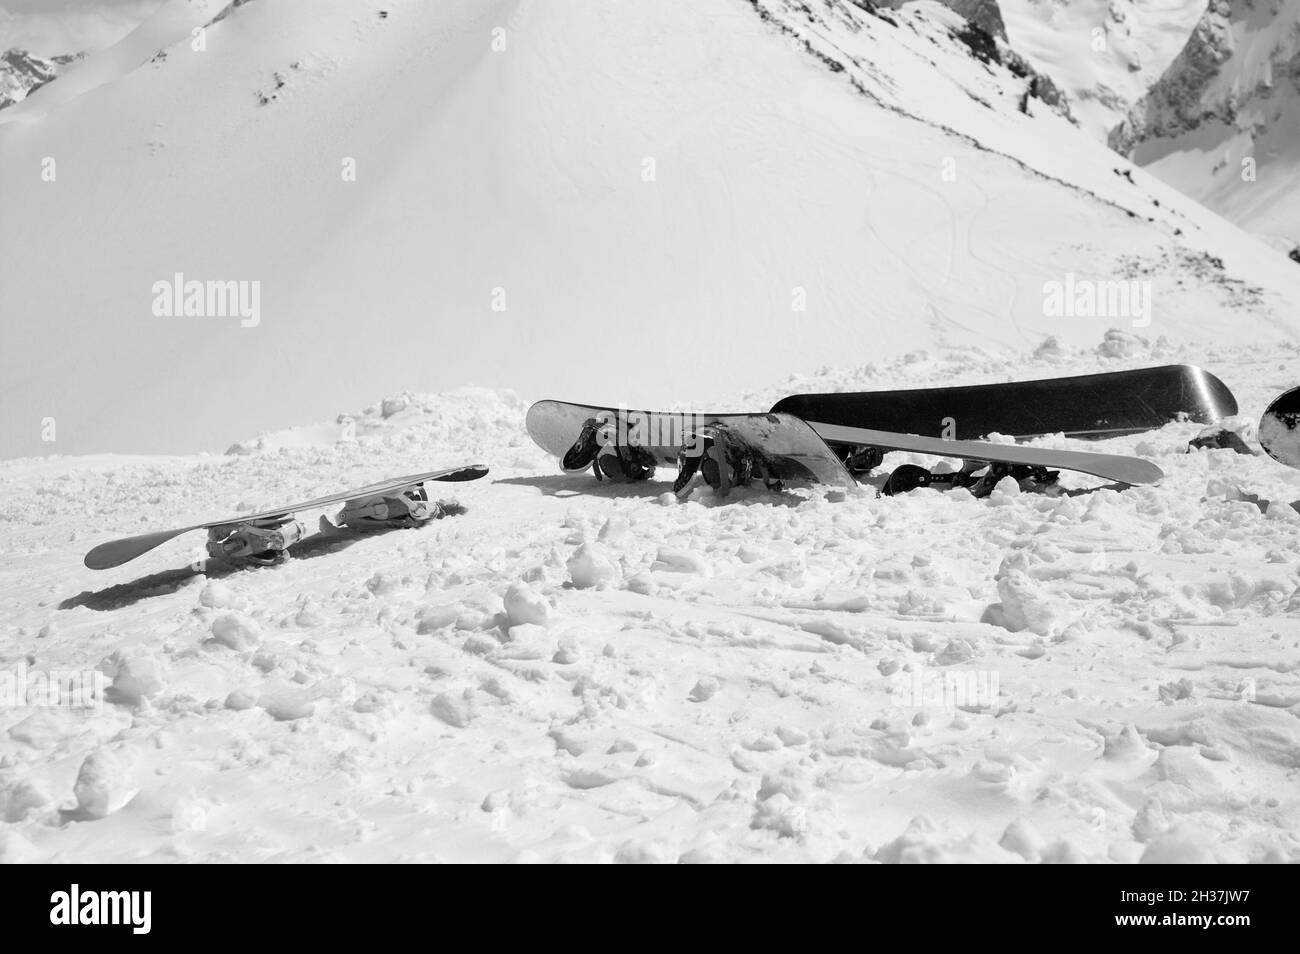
(723, 459)
(263, 543)
(406, 508)
(860, 460)
(911, 477)
(597, 447)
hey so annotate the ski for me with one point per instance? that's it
(1089, 406)
(262, 538)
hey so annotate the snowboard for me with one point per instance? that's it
(1090, 406)
(555, 425)
(116, 552)
(1279, 429)
(1114, 467)
(792, 450)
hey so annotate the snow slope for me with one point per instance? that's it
(581, 672)
(1223, 123)
(825, 183)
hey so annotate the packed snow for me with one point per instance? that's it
(574, 671)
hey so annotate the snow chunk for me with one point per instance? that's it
(525, 605)
(217, 595)
(103, 785)
(1171, 692)
(434, 618)
(779, 814)
(705, 689)
(957, 651)
(1022, 839)
(1025, 606)
(1004, 489)
(456, 710)
(591, 566)
(791, 735)
(237, 631)
(287, 703)
(1125, 745)
(135, 673)
(642, 583)
(240, 699)
(1123, 344)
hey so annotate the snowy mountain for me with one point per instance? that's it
(544, 196)
(1105, 54)
(1222, 122)
(21, 73)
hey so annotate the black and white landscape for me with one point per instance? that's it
(261, 251)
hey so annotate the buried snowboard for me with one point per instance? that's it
(1089, 406)
(624, 445)
(1279, 429)
(262, 538)
(727, 449)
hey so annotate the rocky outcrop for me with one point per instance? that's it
(985, 35)
(1239, 53)
(985, 14)
(21, 73)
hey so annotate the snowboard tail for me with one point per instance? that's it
(1089, 406)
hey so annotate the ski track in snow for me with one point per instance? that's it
(579, 672)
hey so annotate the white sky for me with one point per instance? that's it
(50, 27)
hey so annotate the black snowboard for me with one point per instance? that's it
(1091, 406)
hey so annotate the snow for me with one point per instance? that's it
(583, 672)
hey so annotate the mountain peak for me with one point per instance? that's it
(21, 73)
